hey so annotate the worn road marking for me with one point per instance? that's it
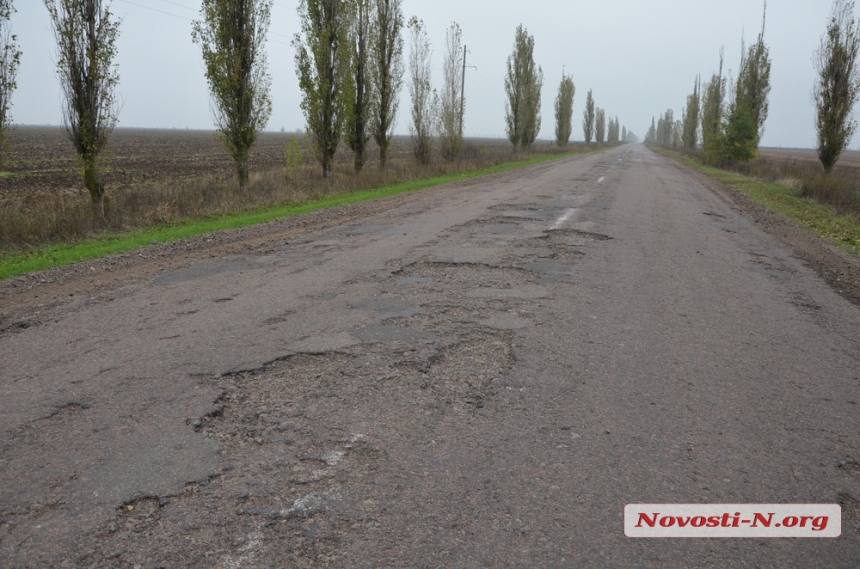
(565, 216)
(600, 181)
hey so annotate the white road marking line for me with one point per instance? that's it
(565, 216)
(600, 181)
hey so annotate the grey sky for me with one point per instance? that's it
(639, 58)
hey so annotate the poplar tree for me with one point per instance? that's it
(651, 135)
(86, 34)
(523, 84)
(10, 58)
(322, 66)
(231, 35)
(690, 120)
(838, 86)
(712, 109)
(450, 125)
(600, 126)
(424, 99)
(749, 107)
(588, 118)
(359, 89)
(386, 71)
(564, 110)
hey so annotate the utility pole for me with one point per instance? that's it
(463, 92)
(463, 89)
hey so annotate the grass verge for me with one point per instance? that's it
(786, 199)
(55, 256)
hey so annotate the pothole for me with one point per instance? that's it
(463, 374)
(447, 275)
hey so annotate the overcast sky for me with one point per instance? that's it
(639, 58)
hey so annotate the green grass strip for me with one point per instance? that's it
(822, 219)
(54, 256)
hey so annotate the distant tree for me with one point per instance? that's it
(749, 107)
(651, 135)
(322, 66)
(523, 84)
(359, 88)
(588, 118)
(10, 58)
(86, 36)
(677, 134)
(624, 134)
(564, 110)
(666, 129)
(451, 103)
(424, 99)
(386, 71)
(232, 36)
(690, 120)
(712, 110)
(838, 87)
(600, 126)
(613, 131)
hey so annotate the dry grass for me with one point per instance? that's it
(840, 189)
(801, 172)
(31, 219)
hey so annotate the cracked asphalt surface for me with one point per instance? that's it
(481, 375)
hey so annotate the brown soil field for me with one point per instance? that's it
(41, 159)
(848, 158)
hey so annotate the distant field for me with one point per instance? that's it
(849, 158)
(41, 159)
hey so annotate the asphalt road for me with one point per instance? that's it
(480, 377)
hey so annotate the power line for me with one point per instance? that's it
(190, 20)
(156, 10)
(180, 5)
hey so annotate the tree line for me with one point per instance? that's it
(350, 64)
(730, 114)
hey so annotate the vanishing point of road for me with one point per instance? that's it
(480, 375)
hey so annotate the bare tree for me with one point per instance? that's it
(600, 126)
(838, 87)
(86, 36)
(10, 58)
(231, 35)
(588, 118)
(386, 71)
(450, 126)
(690, 120)
(564, 110)
(523, 84)
(424, 100)
(359, 91)
(322, 65)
